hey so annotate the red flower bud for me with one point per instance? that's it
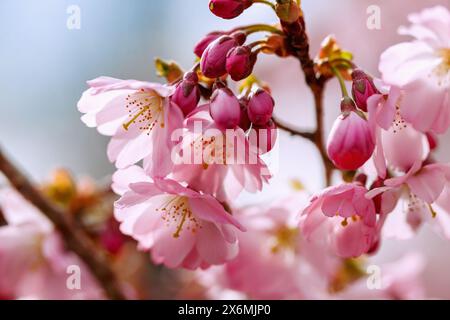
(240, 62)
(260, 107)
(213, 61)
(225, 108)
(187, 93)
(203, 43)
(350, 143)
(228, 9)
(266, 136)
(362, 88)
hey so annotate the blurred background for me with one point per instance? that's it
(44, 67)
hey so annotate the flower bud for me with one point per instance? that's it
(244, 122)
(187, 93)
(228, 9)
(213, 61)
(362, 88)
(288, 11)
(240, 62)
(350, 143)
(225, 108)
(260, 107)
(203, 43)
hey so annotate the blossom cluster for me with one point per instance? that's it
(185, 150)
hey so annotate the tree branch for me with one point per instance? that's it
(74, 238)
(298, 42)
(294, 132)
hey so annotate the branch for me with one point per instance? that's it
(298, 42)
(75, 239)
(307, 135)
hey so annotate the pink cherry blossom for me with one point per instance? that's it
(221, 163)
(421, 70)
(181, 227)
(344, 218)
(398, 144)
(33, 260)
(139, 117)
(274, 260)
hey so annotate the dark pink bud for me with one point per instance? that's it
(111, 238)
(225, 108)
(260, 107)
(228, 9)
(350, 143)
(432, 140)
(213, 61)
(244, 122)
(187, 93)
(203, 43)
(362, 88)
(240, 62)
(266, 136)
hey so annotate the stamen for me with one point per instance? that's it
(145, 108)
(177, 210)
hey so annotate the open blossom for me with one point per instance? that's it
(345, 217)
(421, 69)
(274, 260)
(217, 161)
(421, 195)
(33, 260)
(139, 117)
(350, 143)
(181, 227)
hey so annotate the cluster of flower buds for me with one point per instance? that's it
(253, 110)
(226, 54)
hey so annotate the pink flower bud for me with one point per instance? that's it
(187, 93)
(244, 122)
(350, 143)
(225, 108)
(260, 107)
(433, 140)
(240, 62)
(362, 88)
(203, 43)
(213, 61)
(228, 9)
(266, 136)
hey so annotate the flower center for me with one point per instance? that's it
(145, 108)
(285, 238)
(177, 210)
(443, 69)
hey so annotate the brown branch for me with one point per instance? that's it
(298, 42)
(294, 132)
(74, 238)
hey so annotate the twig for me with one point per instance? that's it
(74, 238)
(307, 135)
(298, 41)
